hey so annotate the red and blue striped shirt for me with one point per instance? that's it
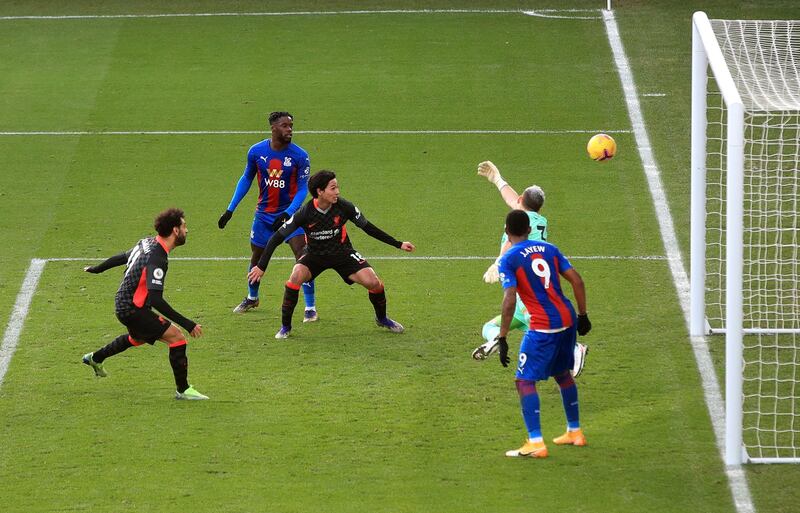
(534, 268)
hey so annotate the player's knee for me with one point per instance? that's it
(172, 335)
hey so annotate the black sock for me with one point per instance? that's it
(289, 303)
(180, 366)
(117, 345)
(378, 300)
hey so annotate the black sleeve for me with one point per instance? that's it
(114, 261)
(158, 302)
(292, 224)
(374, 231)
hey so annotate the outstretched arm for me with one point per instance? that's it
(279, 236)
(114, 261)
(158, 302)
(488, 170)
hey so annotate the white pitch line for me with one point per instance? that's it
(737, 479)
(312, 132)
(420, 258)
(299, 13)
(19, 314)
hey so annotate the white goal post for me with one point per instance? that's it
(745, 234)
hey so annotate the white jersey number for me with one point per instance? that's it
(542, 270)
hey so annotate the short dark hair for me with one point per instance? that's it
(518, 223)
(320, 180)
(167, 220)
(275, 116)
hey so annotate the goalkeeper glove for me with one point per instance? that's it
(584, 326)
(492, 274)
(224, 218)
(278, 222)
(489, 170)
(504, 359)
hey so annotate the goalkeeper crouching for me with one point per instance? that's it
(531, 202)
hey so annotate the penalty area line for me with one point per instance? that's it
(548, 13)
(400, 257)
(19, 314)
(73, 133)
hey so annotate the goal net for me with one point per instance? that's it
(745, 209)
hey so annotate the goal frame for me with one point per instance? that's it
(707, 54)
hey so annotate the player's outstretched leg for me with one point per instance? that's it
(291, 294)
(99, 371)
(309, 295)
(490, 331)
(377, 297)
(95, 360)
(569, 398)
(534, 446)
(579, 353)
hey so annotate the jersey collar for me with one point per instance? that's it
(316, 205)
(163, 243)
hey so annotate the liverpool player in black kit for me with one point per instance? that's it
(323, 219)
(141, 289)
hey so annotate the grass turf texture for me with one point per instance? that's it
(344, 416)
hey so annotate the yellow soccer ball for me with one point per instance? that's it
(601, 147)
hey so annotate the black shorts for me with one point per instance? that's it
(344, 263)
(144, 325)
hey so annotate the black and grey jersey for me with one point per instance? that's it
(146, 271)
(326, 230)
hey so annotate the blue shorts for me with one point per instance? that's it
(262, 229)
(542, 355)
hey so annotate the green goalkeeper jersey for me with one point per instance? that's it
(538, 228)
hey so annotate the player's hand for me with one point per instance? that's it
(492, 274)
(255, 274)
(278, 222)
(490, 171)
(407, 246)
(224, 218)
(91, 269)
(197, 332)
(584, 326)
(503, 349)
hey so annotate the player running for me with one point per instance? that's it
(531, 202)
(533, 269)
(282, 168)
(323, 219)
(142, 289)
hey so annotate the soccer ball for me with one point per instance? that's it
(601, 147)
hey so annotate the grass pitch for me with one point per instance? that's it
(343, 416)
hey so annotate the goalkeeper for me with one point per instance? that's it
(531, 201)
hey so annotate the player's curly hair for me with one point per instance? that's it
(533, 198)
(518, 223)
(275, 116)
(167, 220)
(320, 180)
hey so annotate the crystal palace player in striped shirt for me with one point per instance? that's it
(329, 247)
(533, 269)
(141, 289)
(282, 168)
